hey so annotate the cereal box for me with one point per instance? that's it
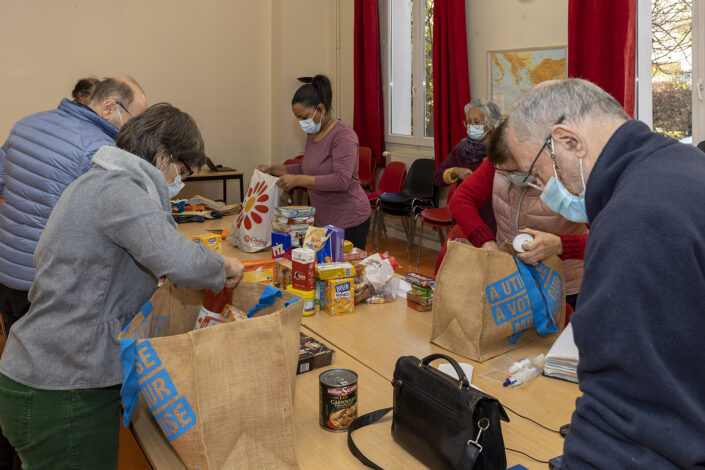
(325, 271)
(259, 270)
(210, 240)
(339, 297)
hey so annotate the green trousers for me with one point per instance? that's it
(61, 430)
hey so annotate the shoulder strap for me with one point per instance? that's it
(359, 422)
(472, 450)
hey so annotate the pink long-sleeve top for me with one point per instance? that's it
(337, 195)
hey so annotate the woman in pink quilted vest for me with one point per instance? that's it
(518, 209)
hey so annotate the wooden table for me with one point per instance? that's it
(224, 176)
(369, 342)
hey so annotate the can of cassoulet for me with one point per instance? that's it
(338, 399)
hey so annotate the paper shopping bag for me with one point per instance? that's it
(488, 302)
(223, 395)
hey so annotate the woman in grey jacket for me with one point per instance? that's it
(108, 241)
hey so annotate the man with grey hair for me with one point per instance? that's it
(639, 321)
(481, 118)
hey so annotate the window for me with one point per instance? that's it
(670, 69)
(407, 48)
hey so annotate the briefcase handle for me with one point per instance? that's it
(463, 381)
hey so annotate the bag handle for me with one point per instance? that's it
(463, 381)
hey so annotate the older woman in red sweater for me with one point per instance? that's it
(518, 208)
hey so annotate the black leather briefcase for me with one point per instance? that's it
(443, 422)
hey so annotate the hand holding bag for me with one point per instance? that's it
(443, 422)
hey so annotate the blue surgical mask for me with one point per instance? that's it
(310, 127)
(476, 131)
(175, 186)
(559, 199)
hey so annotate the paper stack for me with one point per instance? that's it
(562, 358)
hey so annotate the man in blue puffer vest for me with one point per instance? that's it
(44, 153)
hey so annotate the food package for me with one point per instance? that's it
(354, 256)
(319, 299)
(313, 354)
(252, 226)
(303, 261)
(295, 211)
(318, 239)
(210, 240)
(295, 220)
(326, 271)
(420, 280)
(308, 297)
(281, 245)
(347, 246)
(339, 296)
(283, 273)
(231, 313)
(425, 292)
(377, 271)
(363, 291)
(259, 270)
(418, 299)
(283, 227)
(418, 307)
(337, 241)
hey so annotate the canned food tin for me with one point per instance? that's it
(338, 399)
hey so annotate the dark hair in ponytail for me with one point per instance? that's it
(315, 91)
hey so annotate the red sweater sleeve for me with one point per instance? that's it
(573, 246)
(467, 200)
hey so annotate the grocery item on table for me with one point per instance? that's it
(420, 297)
(363, 291)
(337, 240)
(295, 211)
(420, 280)
(347, 246)
(308, 296)
(354, 256)
(283, 273)
(339, 296)
(281, 245)
(210, 240)
(313, 354)
(303, 261)
(295, 220)
(325, 271)
(320, 292)
(259, 270)
(337, 399)
(318, 239)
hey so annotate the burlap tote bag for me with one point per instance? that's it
(223, 396)
(487, 302)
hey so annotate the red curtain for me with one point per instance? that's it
(602, 46)
(451, 81)
(368, 120)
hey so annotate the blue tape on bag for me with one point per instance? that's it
(542, 285)
(266, 299)
(130, 389)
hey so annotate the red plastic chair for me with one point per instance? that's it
(367, 168)
(293, 161)
(438, 218)
(392, 181)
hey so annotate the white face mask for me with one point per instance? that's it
(310, 127)
(476, 131)
(175, 186)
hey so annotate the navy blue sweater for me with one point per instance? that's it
(640, 320)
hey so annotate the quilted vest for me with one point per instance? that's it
(535, 215)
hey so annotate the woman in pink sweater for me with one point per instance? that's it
(330, 164)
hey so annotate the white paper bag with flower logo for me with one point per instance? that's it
(252, 228)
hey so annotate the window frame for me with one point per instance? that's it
(417, 139)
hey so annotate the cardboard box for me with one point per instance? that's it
(420, 280)
(313, 355)
(417, 299)
(210, 240)
(283, 273)
(303, 261)
(340, 296)
(281, 245)
(325, 271)
(259, 270)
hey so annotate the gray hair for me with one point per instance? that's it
(488, 109)
(537, 110)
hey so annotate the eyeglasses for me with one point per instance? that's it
(471, 123)
(546, 143)
(123, 107)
